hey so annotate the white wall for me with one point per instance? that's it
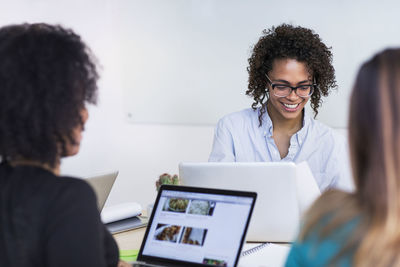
(180, 54)
(141, 152)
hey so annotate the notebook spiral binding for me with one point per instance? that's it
(255, 249)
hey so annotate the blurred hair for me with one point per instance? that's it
(374, 132)
(287, 41)
(47, 74)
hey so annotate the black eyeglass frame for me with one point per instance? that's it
(293, 88)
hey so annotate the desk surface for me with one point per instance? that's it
(131, 239)
(276, 256)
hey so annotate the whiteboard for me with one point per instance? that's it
(185, 61)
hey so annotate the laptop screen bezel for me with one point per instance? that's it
(165, 261)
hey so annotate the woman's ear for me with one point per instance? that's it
(72, 148)
(84, 115)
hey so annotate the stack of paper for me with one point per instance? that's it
(123, 217)
(120, 212)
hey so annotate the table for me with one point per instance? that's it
(131, 239)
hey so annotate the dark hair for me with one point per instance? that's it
(287, 41)
(47, 74)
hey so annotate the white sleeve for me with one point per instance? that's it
(344, 180)
(222, 149)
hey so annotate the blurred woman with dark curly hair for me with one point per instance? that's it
(47, 75)
(288, 67)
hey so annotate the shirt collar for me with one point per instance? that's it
(301, 134)
(268, 127)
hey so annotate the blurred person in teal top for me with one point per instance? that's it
(362, 228)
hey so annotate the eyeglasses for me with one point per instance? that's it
(283, 90)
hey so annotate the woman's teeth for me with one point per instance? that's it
(291, 106)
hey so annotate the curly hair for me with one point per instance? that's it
(287, 41)
(47, 75)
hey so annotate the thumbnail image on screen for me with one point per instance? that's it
(176, 205)
(215, 262)
(193, 236)
(201, 207)
(166, 232)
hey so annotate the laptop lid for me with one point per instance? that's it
(276, 215)
(192, 226)
(102, 185)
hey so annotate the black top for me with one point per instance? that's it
(46, 220)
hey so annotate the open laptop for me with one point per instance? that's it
(276, 216)
(102, 185)
(191, 226)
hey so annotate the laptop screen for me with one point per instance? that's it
(198, 227)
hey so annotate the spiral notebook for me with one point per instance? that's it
(264, 254)
(249, 251)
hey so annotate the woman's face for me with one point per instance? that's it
(288, 72)
(73, 149)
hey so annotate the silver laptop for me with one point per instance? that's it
(276, 215)
(191, 226)
(102, 185)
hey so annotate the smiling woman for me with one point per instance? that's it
(284, 103)
(289, 67)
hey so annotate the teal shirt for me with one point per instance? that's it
(313, 251)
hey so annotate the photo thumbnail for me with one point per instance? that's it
(193, 236)
(176, 205)
(201, 207)
(168, 233)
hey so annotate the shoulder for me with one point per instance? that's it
(242, 114)
(323, 132)
(43, 185)
(332, 210)
(331, 200)
(318, 127)
(326, 231)
(73, 215)
(245, 116)
(73, 190)
(79, 185)
(56, 192)
(318, 250)
(77, 201)
(331, 203)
